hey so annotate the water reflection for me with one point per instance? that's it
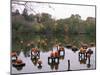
(46, 45)
(34, 61)
(61, 58)
(85, 56)
(19, 68)
(27, 53)
(18, 64)
(33, 65)
(54, 66)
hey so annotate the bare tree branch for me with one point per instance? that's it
(27, 4)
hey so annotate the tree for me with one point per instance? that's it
(48, 22)
(17, 12)
(91, 28)
(25, 14)
(45, 17)
(31, 18)
(74, 23)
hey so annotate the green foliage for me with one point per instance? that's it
(45, 24)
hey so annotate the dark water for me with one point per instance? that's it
(46, 44)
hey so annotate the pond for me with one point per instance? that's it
(47, 43)
(30, 67)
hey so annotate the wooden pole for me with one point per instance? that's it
(68, 65)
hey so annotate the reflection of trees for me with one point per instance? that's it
(46, 44)
(35, 61)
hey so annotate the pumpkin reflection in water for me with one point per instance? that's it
(18, 64)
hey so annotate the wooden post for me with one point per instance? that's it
(68, 65)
